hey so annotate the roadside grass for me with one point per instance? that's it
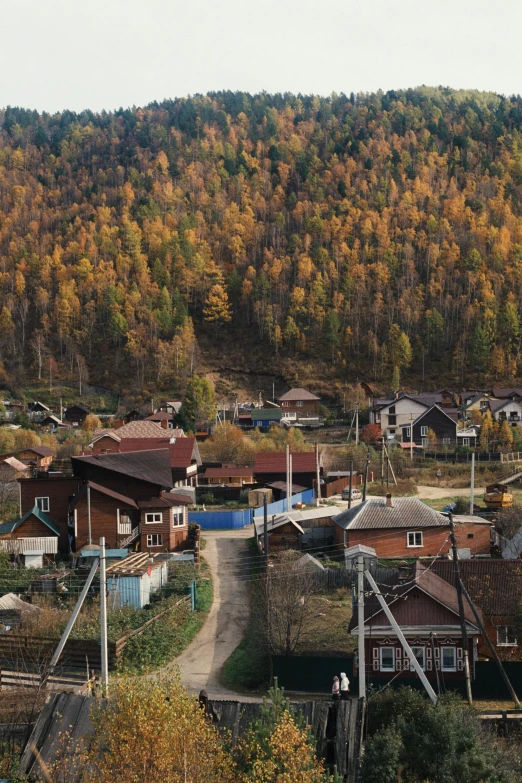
(170, 635)
(326, 630)
(439, 503)
(248, 666)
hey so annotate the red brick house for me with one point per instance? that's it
(426, 608)
(495, 586)
(407, 527)
(300, 403)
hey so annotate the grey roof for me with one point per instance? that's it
(374, 514)
(307, 562)
(298, 394)
(359, 549)
(152, 465)
(451, 413)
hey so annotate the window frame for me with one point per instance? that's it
(387, 668)
(465, 441)
(153, 521)
(178, 509)
(414, 533)
(506, 643)
(446, 441)
(408, 432)
(48, 504)
(299, 404)
(158, 536)
(422, 663)
(424, 431)
(448, 668)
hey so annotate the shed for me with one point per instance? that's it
(132, 581)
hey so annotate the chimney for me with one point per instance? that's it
(389, 500)
(164, 424)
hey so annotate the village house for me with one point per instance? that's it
(509, 410)
(270, 467)
(135, 433)
(407, 527)
(436, 421)
(164, 419)
(173, 407)
(52, 423)
(284, 532)
(468, 436)
(32, 536)
(75, 415)
(507, 394)
(475, 401)
(299, 403)
(38, 457)
(495, 586)
(228, 474)
(426, 608)
(264, 417)
(394, 416)
(37, 411)
(51, 494)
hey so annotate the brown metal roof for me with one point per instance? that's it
(110, 493)
(494, 585)
(231, 470)
(152, 466)
(281, 485)
(160, 416)
(374, 514)
(165, 500)
(275, 462)
(298, 394)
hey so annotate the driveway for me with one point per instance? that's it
(201, 663)
(434, 493)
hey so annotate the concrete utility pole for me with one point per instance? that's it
(265, 529)
(89, 512)
(317, 476)
(291, 485)
(103, 619)
(351, 480)
(360, 622)
(356, 423)
(472, 493)
(288, 478)
(458, 585)
(366, 475)
(411, 437)
(406, 647)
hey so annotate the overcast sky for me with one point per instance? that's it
(103, 54)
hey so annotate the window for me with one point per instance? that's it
(286, 405)
(153, 518)
(154, 539)
(391, 410)
(415, 539)
(419, 653)
(408, 432)
(299, 403)
(178, 518)
(387, 659)
(424, 443)
(506, 636)
(446, 441)
(392, 421)
(465, 441)
(424, 432)
(471, 535)
(449, 659)
(42, 503)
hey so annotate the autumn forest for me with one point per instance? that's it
(375, 233)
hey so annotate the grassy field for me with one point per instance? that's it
(326, 632)
(439, 503)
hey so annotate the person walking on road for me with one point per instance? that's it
(345, 686)
(335, 689)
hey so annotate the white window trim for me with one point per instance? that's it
(446, 441)
(505, 644)
(48, 505)
(424, 442)
(175, 511)
(424, 432)
(423, 650)
(465, 441)
(387, 668)
(150, 537)
(299, 403)
(414, 533)
(448, 668)
(153, 521)
(408, 432)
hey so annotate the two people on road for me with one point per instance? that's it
(340, 688)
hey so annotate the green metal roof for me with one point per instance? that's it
(274, 414)
(9, 527)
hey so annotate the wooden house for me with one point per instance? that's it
(407, 528)
(468, 436)
(270, 467)
(443, 423)
(133, 415)
(300, 403)
(395, 415)
(426, 608)
(495, 587)
(75, 415)
(264, 417)
(284, 532)
(37, 411)
(31, 536)
(38, 457)
(164, 419)
(509, 410)
(229, 474)
(52, 495)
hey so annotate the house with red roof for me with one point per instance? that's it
(270, 468)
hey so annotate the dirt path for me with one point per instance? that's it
(434, 493)
(201, 663)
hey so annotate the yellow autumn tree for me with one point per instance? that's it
(217, 307)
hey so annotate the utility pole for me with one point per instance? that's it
(291, 484)
(356, 423)
(288, 477)
(265, 529)
(382, 460)
(89, 512)
(366, 475)
(273, 392)
(317, 476)
(458, 585)
(360, 622)
(472, 493)
(351, 479)
(103, 619)
(411, 437)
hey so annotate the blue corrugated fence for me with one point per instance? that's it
(235, 520)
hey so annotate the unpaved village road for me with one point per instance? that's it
(201, 663)
(434, 493)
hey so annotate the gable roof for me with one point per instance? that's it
(374, 514)
(420, 578)
(112, 494)
(160, 416)
(497, 405)
(143, 444)
(183, 451)
(494, 585)
(15, 464)
(225, 472)
(507, 392)
(38, 406)
(446, 413)
(152, 466)
(42, 451)
(298, 394)
(165, 500)
(142, 429)
(106, 433)
(76, 406)
(275, 462)
(10, 527)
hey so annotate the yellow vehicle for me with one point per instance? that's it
(497, 496)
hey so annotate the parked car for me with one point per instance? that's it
(345, 494)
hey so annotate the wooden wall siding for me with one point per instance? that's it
(402, 662)
(104, 520)
(308, 406)
(59, 491)
(31, 528)
(125, 485)
(393, 543)
(439, 423)
(105, 444)
(416, 608)
(172, 537)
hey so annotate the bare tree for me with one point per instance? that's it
(38, 348)
(81, 364)
(288, 594)
(509, 521)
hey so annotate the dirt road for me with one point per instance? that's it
(434, 493)
(200, 664)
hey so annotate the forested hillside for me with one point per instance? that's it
(372, 231)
